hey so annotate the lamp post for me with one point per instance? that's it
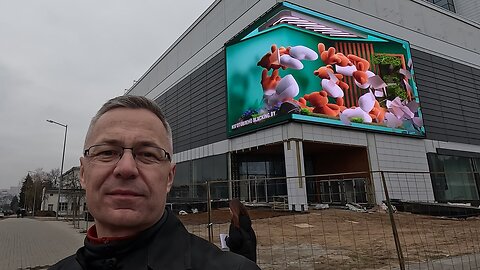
(61, 169)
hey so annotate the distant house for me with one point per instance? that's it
(6, 195)
(72, 196)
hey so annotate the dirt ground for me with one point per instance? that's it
(343, 239)
(219, 216)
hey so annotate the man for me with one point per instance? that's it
(127, 171)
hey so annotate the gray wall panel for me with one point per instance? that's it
(215, 83)
(215, 105)
(450, 98)
(477, 74)
(233, 10)
(196, 106)
(468, 8)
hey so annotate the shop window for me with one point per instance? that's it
(454, 178)
(213, 168)
(258, 171)
(182, 182)
(192, 175)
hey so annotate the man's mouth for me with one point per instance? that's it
(125, 193)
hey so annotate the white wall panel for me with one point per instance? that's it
(215, 21)
(233, 10)
(187, 48)
(171, 60)
(296, 186)
(400, 154)
(202, 151)
(432, 145)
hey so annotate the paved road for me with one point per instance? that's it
(35, 244)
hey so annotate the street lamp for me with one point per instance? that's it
(63, 159)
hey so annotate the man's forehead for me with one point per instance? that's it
(135, 117)
(129, 112)
(118, 123)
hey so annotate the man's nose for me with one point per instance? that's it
(126, 167)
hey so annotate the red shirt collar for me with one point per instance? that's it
(94, 239)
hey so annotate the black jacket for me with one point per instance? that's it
(243, 240)
(166, 245)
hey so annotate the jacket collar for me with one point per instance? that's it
(171, 241)
(96, 253)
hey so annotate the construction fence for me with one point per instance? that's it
(374, 220)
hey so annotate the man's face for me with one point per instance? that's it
(127, 197)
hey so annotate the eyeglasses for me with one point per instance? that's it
(109, 154)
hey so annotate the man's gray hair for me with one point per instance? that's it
(130, 102)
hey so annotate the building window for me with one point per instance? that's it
(183, 182)
(63, 206)
(191, 176)
(455, 178)
(50, 207)
(446, 4)
(256, 170)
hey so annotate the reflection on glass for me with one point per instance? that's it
(453, 177)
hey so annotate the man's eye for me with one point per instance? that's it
(146, 154)
(107, 153)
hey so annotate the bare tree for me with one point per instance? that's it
(73, 192)
(53, 178)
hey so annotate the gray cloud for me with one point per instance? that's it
(62, 59)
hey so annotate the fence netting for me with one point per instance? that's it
(374, 220)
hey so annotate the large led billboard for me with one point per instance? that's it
(300, 65)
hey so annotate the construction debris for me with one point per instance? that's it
(356, 207)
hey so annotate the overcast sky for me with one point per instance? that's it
(62, 59)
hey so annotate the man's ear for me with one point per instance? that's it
(171, 175)
(82, 172)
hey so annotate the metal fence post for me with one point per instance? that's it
(401, 260)
(86, 221)
(209, 210)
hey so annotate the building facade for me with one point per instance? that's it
(6, 195)
(330, 111)
(72, 196)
